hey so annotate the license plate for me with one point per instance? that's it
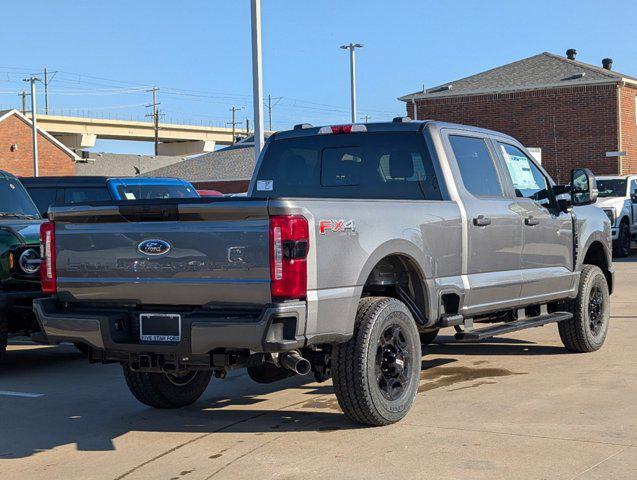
(160, 327)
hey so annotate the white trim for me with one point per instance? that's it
(44, 133)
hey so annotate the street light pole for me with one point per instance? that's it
(352, 70)
(32, 81)
(257, 82)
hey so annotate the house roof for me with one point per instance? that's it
(4, 114)
(121, 165)
(231, 163)
(545, 70)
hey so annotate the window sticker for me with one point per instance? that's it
(129, 196)
(520, 170)
(265, 185)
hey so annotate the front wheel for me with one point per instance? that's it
(4, 334)
(167, 390)
(376, 373)
(586, 331)
(621, 246)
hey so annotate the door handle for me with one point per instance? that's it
(481, 221)
(531, 221)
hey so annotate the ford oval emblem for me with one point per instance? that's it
(154, 247)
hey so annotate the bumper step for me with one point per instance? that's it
(514, 326)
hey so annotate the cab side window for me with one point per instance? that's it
(478, 172)
(528, 181)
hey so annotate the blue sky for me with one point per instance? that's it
(198, 52)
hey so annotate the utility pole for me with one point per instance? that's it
(247, 126)
(32, 81)
(47, 80)
(257, 81)
(234, 122)
(24, 102)
(366, 117)
(352, 71)
(155, 115)
(269, 112)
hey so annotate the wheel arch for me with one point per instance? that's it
(596, 253)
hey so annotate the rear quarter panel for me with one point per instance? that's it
(427, 232)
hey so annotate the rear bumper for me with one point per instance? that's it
(279, 327)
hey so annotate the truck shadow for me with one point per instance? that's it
(99, 410)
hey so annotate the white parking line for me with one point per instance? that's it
(7, 393)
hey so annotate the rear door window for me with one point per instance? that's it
(87, 194)
(394, 165)
(477, 169)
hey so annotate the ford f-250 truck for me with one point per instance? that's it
(354, 246)
(618, 197)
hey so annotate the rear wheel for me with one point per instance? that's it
(586, 331)
(376, 373)
(621, 246)
(166, 390)
(4, 334)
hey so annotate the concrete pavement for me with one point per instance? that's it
(516, 407)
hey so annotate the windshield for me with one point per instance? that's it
(615, 187)
(15, 201)
(149, 192)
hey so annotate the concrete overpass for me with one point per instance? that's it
(80, 133)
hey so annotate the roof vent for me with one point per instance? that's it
(302, 126)
(401, 120)
(607, 63)
(444, 88)
(570, 53)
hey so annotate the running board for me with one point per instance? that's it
(514, 326)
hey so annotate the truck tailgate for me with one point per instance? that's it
(208, 252)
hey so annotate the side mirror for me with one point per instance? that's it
(583, 187)
(633, 197)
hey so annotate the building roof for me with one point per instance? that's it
(4, 114)
(231, 163)
(545, 70)
(122, 165)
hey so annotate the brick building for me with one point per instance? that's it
(16, 148)
(574, 112)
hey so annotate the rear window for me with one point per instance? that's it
(43, 197)
(393, 165)
(86, 194)
(150, 192)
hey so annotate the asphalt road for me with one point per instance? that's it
(517, 407)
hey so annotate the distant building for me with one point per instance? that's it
(227, 170)
(570, 112)
(16, 148)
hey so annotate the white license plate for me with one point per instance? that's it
(160, 327)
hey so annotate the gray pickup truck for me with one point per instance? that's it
(354, 246)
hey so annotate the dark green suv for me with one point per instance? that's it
(19, 259)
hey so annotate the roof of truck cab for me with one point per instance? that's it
(64, 181)
(376, 127)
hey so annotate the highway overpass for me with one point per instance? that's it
(81, 133)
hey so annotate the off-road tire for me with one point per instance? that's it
(4, 334)
(428, 337)
(354, 371)
(577, 333)
(621, 246)
(158, 391)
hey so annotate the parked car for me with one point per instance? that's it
(47, 191)
(355, 244)
(617, 197)
(209, 193)
(19, 259)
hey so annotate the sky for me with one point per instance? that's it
(198, 53)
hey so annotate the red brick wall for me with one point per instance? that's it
(574, 126)
(51, 159)
(628, 94)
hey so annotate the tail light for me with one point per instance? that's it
(289, 243)
(47, 268)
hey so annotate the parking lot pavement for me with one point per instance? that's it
(517, 407)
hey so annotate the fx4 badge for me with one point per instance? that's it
(326, 226)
